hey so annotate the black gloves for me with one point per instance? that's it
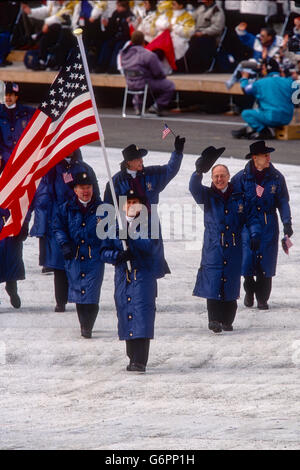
(67, 252)
(123, 257)
(23, 233)
(287, 230)
(179, 144)
(254, 244)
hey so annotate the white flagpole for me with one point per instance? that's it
(78, 33)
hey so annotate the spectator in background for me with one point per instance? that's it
(294, 13)
(88, 16)
(145, 20)
(292, 44)
(254, 13)
(8, 15)
(56, 37)
(181, 25)
(264, 45)
(136, 57)
(210, 23)
(274, 97)
(117, 33)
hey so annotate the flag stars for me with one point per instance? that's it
(60, 80)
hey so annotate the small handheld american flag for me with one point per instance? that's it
(166, 131)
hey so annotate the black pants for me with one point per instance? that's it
(261, 287)
(221, 311)
(87, 314)
(138, 350)
(200, 54)
(61, 286)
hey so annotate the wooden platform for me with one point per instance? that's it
(208, 83)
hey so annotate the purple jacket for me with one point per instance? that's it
(141, 60)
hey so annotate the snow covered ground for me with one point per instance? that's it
(236, 390)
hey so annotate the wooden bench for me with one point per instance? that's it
(207, 83)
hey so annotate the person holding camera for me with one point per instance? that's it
(226, 212)
(273, 94)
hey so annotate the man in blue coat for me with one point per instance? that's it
(74, 228)
(14, 117)
(55, 189)
(265, 187)
(135, 290)
(147, 181)
(273, 94)
(226, 212)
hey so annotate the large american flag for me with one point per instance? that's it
(64, 121)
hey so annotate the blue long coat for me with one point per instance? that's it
(77, 227)
(135, 292)
(220, 271)
(154, 179)
(53, 191)
(11, 255)
(275, 196)
(11, 131)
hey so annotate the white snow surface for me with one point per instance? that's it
(236, 390)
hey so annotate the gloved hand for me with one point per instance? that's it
(123, 257)
(179, 143)
(254, 244)
(67, 252)
(287, 230)
(23, 233)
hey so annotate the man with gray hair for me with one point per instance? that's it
(225, 214)
(145, 67)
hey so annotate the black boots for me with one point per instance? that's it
(12, 290)
(87, 314)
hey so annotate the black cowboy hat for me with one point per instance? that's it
(259, 147)
(132, 152)
(208, 157)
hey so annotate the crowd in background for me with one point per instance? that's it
(205, 35)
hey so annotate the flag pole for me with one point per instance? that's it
(78, 33)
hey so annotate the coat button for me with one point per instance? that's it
(82, 258)
(226, 211)
(12, 129)
(227, 227)
(226, 245)
(82, 242)
(83, 224)
(129, 317)
(130, 334)
(260, 257)
(258, 208)
(83, 291)
(225, 262)
(82, 274)
(129, 299)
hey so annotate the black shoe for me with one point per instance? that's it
(262, 305)
(265, 134)
(215, 326)
(249, 300)
(136, 367)
(7, 62)
(86, 333)
(60, 308)
(14, 298)
(240, 133)
(227, 327)
(47, 270)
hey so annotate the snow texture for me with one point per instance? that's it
(236, 390)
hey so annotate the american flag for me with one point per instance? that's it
(64, 121)
(166, 131)
(259, 190)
